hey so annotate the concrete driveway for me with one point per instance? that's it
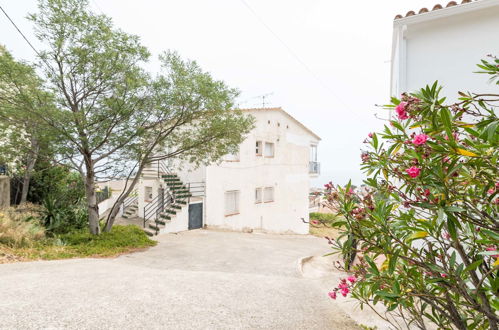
(194, 280)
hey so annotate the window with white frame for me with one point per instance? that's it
(231, 202)
(233, 157)
(269, 149)
(268, 194)
(148, 194)
(313, 153)
(259, 148)
(258, 195)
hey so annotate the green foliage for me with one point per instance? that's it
(60, 217)
(120, 239)
(323, 217)
(427, 226)
(57, 183)
(80, 243)
(112, 116)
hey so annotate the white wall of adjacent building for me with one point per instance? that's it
(445, 45)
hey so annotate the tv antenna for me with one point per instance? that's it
(264, 96)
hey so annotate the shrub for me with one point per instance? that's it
(20, 226)
(427, 227)
(59, 217)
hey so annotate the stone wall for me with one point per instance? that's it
(4, 191)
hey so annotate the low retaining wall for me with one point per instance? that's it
(4, 191)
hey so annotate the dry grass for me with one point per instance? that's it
(20, 226)
(320, 224)
(323, 231)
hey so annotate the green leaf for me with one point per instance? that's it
(445, 115)
(473, 266)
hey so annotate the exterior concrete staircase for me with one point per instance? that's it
(131, 210)
(176, 197)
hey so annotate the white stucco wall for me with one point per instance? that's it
(287, 172)
(445, 45)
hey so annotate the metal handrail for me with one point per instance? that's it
(196, 189)
(149, 208)
(314, 168)
(130, 200)
(153, 209)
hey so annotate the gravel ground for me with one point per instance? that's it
(194, 280)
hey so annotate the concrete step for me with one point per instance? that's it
(163, 222)
(155, 226)
(165, 216)
(149, 232)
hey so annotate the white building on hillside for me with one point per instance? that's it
(265, 186)
(445, 44)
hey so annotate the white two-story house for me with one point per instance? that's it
(265, 186)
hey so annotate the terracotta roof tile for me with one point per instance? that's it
(436, 7)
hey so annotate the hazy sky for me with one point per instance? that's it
(325, 62)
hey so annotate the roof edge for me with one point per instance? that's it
(287, 114)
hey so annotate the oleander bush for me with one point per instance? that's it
(422, 238)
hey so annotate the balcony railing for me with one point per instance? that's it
(314, 168)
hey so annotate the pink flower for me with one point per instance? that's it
(370, 135)
(315, 222)
(344, 292)
(343, 286)
(365, 157)
(332, 294)
(352, 279)
(443, 275)
(447, 236)
(413, 171)
(420, 139)
(491, 191)
(400, 110)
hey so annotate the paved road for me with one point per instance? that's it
(194, 280)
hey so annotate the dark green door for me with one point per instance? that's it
(195, 216)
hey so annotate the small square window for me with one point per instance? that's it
(259, 148)
(258, 195)
(268, 194)
(269, 149)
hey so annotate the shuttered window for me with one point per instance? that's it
(268, 194)
(231, 202)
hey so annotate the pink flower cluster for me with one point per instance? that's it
(413, 171)
(344, 287)
(401, 111)
(329, 185)
(420, 139)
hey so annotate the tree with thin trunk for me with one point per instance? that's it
(113, 117)
(22, 136)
